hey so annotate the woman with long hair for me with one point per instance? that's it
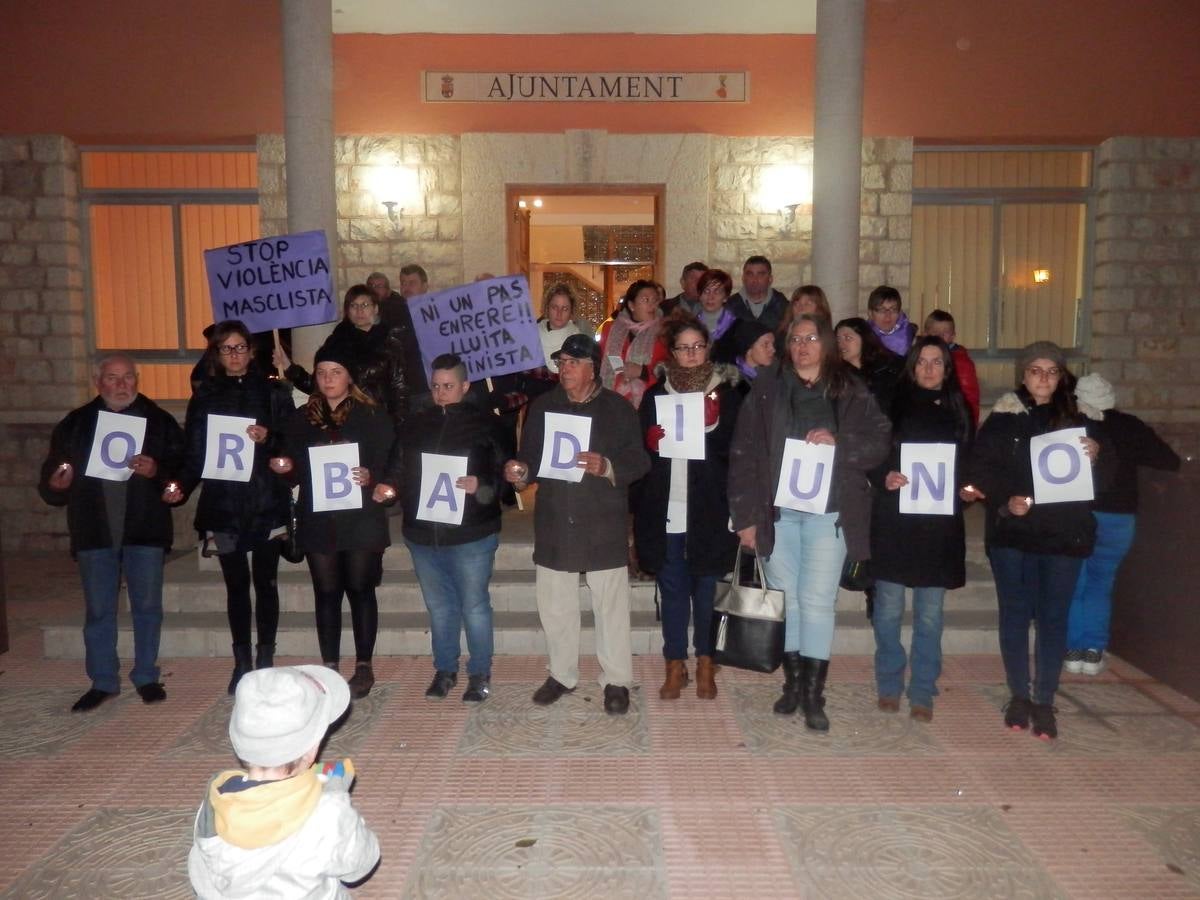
(633, 338)
(808, 298)
(878, 366)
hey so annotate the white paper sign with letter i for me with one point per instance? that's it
(329, 470)
(805, 476)
(440, 500)
(929, 469)
(228, 450)
(118, 439)
(682, 418)
(566, 437)
(1061, 470)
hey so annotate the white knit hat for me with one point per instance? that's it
(1095, 390)
(279, 714)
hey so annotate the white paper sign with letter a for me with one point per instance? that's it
(440, 500)
(1061, 470)
(118, 439)
(329, 468)
(805, 476)
(682, 418)
(566, 437)
(228, 450)
(929, 469)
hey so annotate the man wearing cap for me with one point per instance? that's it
(581, 526)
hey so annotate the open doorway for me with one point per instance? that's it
(599, 239)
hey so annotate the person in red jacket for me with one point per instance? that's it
(940, 324)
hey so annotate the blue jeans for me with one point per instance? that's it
(454, 582)
(926, 661)
(100, 571)
(1029, 587)
(806, 565)
(685, 597)
(1091, 607)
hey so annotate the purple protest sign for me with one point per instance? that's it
(275, 282)
(490, 324)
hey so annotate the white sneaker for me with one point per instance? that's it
(1073, 662)
(1093, 662)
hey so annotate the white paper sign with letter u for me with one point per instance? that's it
(682, 418)
(440, 500)
(566, 437)
(929, 469)
(228, 450)
(805, 476)
(1061, 470)
(329, 468)
(118, 439)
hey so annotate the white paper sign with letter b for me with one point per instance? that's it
(228, 450)
(440, 500)
(118, 439)
(805, 476)
(682, 418)
(929, 469)
(329, 468)
(566, 437)
(1061, 470)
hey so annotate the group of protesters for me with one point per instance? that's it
(770, 371)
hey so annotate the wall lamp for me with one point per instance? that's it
(785, 187)
(397, 188)
(1041, 276)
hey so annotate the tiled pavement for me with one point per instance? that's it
(687, 799)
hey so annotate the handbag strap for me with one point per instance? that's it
(737, 569)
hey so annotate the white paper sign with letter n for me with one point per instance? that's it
(566, 437)
(329, 468)
(118, 439)
(682, 418)
(1061, 470)
(805, 476)
(929, 469)
(440, 500)
(228, 450)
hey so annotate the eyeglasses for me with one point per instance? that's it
(690, 348)
(365, 304)
(804, 339)
(1039, 372)
(230, 349)
(935, 363)
(887, 308)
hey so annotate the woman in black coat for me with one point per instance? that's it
(344, 548)
(924, 552)
(879, 367)
(681, 520)
(234, 518)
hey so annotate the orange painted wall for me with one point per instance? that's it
(146, 71)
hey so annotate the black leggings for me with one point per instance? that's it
(356, 573)
(237, 573)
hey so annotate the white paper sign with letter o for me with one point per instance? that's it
(332, 487)
(682, 418)
(930, 472)
(440, 500)
(1061, 470)
(805, 476)
(228, 450)
(118, 439)
(566, 437)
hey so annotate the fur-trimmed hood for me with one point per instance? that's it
(1010, 402)
(721, 373)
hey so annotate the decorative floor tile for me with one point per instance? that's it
(930, 852)
(1174, 833)
(856, 727)
(39, 721)
(509, 724)
(570, 852)
(117, 853)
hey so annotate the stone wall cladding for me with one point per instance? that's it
(1146, 300)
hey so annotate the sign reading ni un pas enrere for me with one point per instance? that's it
(586, 87)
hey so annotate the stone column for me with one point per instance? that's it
(308, 137)
(837, 151)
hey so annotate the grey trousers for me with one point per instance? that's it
(558, 607)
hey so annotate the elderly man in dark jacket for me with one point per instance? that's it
(116, 526)
(581, 526)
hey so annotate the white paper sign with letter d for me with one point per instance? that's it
(805, 476)
(930, 472)
(118, 439)
(566, 437)
(682, 418)
(1061, 470)
(440, 500)
(228, 450)
(329, 467)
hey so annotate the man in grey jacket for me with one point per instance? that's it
(581, 526)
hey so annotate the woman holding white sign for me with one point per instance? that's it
(811, 404)
(1036, 544)
(924, 549)
(336, 446)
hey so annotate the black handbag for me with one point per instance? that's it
(290, 549)
(747, 625)
(856, 575)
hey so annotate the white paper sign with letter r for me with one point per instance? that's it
(228, 450)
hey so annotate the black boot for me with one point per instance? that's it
(265, 657)
(812, 693)
(787, 704)
(242, 663)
